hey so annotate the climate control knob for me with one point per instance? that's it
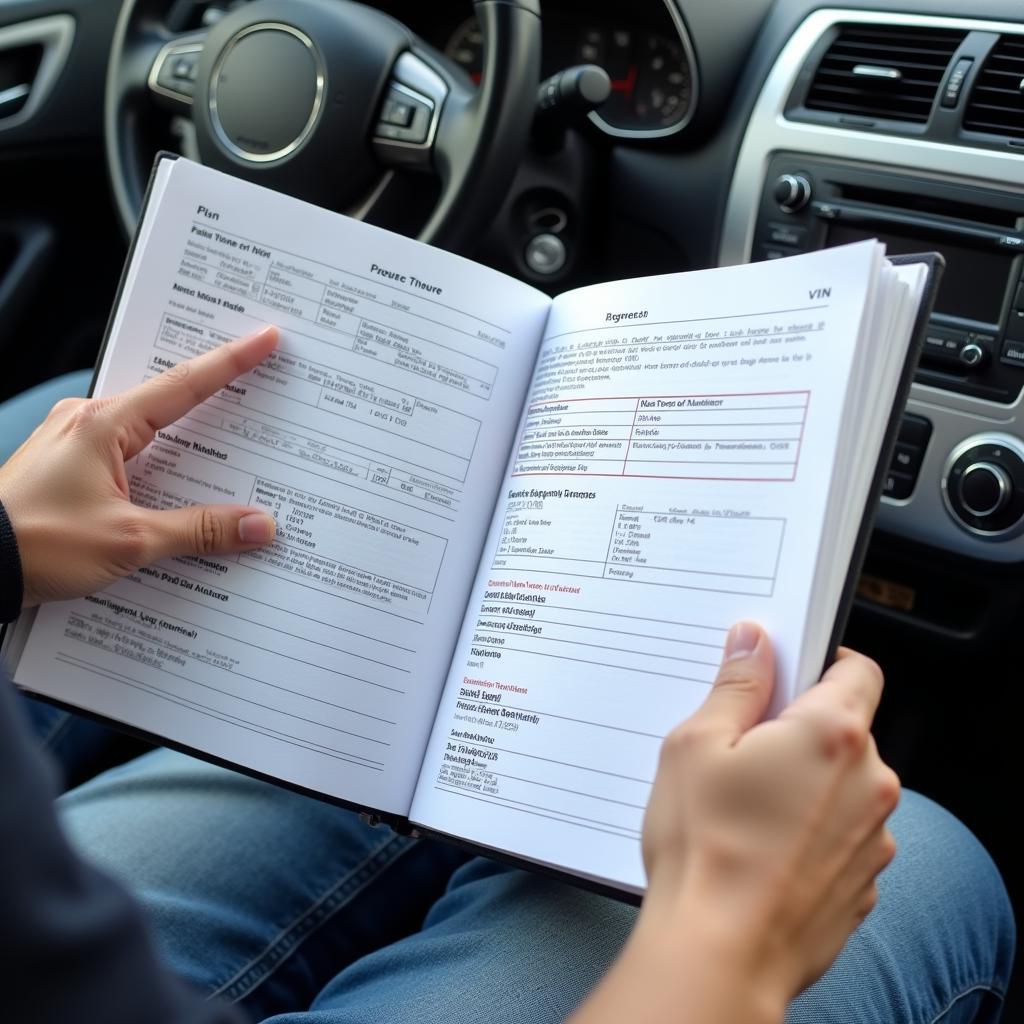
(983, 485)
(985, 489)
(792, 192)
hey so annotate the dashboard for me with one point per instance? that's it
(645, 49)
(842, 118)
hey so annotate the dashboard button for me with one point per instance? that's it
(787, 234)
(907, 458)
(972, 354)
(983, 486)
(826, 211)
(985, 489)
(778, 252)
(898, 485)
(1015, 324)
(955, 84)
(545, 254)
(1013, 352)
(915, 430)
(792, 192)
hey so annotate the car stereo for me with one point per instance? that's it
(975, 341)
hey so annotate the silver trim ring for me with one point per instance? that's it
(1001, 478)
(318, 99)
(175, 48)
(1003, 441)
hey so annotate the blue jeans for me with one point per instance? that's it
(305, 915)
(23, 413)
(296, 909)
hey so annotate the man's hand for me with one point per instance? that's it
(762, 842)
(66, 491)
(775, 830)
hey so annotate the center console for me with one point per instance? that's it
(806, 180)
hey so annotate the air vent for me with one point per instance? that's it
(886, 72)
(996, 105)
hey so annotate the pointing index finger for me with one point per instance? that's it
(167, 397)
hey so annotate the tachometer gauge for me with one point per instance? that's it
(652, 87)
(466, 48)
(663, 83)
(652, 73)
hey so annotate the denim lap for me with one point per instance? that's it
(22, 414)
(297, 908)
(244, 883)
(505, 946)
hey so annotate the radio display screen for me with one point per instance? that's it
(974, 282)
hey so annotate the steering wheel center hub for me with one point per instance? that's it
(287, 94)
(267, 92)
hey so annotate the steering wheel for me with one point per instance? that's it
(324, 99)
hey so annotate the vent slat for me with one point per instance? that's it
(920, 56)
(996, 104)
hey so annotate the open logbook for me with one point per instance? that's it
(512, 531)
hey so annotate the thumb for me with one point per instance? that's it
(209, 530)
(740, 695)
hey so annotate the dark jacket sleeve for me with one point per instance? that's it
(73, 946)
(12, 583)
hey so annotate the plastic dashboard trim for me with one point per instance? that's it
(922, 517)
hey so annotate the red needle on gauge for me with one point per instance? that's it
(626, 85)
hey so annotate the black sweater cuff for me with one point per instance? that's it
(12, 583)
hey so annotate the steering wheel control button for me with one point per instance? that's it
(983, 486)
(545, 254)
(398, 112)
(176, 70)
(186, 69)
(414, 96)
(792, 192)
(405, 117)
(264, 117)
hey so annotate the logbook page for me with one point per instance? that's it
(377, 435)
(669, 478)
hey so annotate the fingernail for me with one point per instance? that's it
(256, 528)
(742, 641)
(263, 332)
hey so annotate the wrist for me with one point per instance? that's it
(723, 969)
(676, 967)
(12, 581)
